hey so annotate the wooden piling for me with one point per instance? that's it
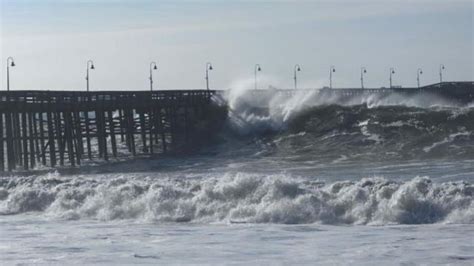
(113, 141)
(31, 139)
(143, 131)
(88, 136)
(24, 138)
(59, 137)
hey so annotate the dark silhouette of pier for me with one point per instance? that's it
(58, 128)
(62, 128)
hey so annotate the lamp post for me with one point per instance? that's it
(11, 63)
(296, 69)
(441, 68)
(152, 67)
(90, 64)
(257, 69)
(362, 72)
(331, 70)
(208, 67)
(419, 72)
(392, 71)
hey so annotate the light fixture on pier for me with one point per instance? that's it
(392, 71)
(90, 65)
(441, 68)
(208, 67)
(10, 63)
(363, 71)
(257, 69)
(331, 70)
(418, 73)
(296, 69)
(152, 67)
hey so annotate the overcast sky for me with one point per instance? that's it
(51, 41)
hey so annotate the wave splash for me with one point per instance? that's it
(259, 110)
(313, 125)
(240, 198)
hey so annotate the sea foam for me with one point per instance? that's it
(239, 198)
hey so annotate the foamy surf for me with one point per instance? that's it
(239, 198)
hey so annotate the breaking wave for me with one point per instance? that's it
(240, 198)
(367, 127)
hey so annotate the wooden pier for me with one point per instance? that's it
(63, 128)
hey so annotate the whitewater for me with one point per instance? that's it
(289, 179)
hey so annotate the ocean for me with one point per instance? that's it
(288, 180)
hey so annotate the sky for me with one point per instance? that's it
(51, 41)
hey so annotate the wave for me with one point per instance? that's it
(363, 127)
(276, 107)
(240, 198)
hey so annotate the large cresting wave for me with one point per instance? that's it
(365, 127)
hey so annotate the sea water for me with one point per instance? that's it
(365, 183)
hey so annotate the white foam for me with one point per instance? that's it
(448, 139)
(240, 197)
(282, 107)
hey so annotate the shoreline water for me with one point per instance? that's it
(32, 240)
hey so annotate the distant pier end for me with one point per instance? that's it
(455, 92)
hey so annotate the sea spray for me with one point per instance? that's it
(255, 111)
